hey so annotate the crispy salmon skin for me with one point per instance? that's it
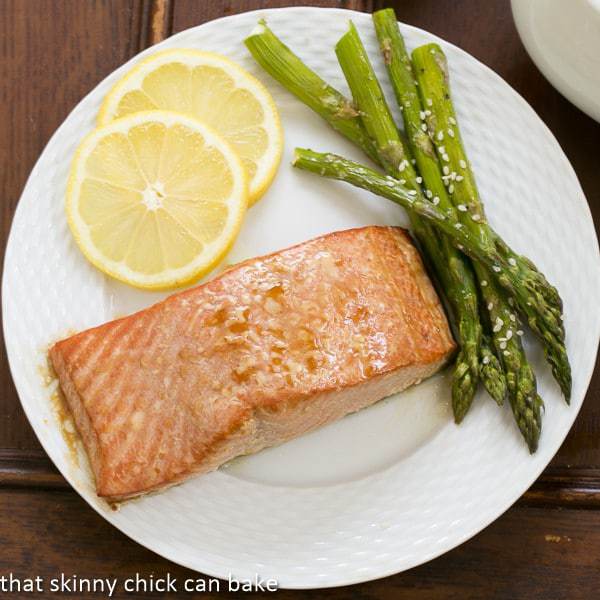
(272, 348)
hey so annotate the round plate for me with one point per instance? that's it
(563, 40)
(382, 490)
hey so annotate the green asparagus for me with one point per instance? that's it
(283, 65)
(492, 372)
(539, 319)
(546, 320)
(401, 75)
(522, 387)
(414, 114)
(397, 161)
(509, 282)
(279, 61)
(525, 402)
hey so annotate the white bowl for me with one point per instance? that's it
(563, 39)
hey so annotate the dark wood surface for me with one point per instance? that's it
(52, 53)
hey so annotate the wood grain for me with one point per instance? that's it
(187, 13)
(528, 553)
(557, 487)
(161, 21)
(52, 53)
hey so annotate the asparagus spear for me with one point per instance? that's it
(522, 387)
(399, 68)
(401, 74)
(396, 160)
(432, 73)
(280, 62)
(525, 402)
(431, 69)
(539, 318)
(492, 372)
(433, 76)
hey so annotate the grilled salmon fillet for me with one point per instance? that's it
(272, 348)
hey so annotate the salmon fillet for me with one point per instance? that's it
(272, 348)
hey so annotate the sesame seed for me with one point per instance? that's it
(497, 269)
(499, 321)
(511, 301)
(446, 169)
(419, 180)
(412, 192)
(451, 188)
(451, 132)
(520, 332)
(506, 353)
(459, 178)
(424, 126)
(429, 102)
(490, 306)
(476, 217)
(422, 115)
(436, 200)
(429, 194)
(442, 149)
(440, 135)
(496, 328)
(402, 181)
(446, 157)
(502, 345)
(513, 317)
(512, 262)
(486, 360)
(453, 175)
(462, 208)
(457, 225)
(462, 163)
(403, 164)
(509, 334)
(483, 283)
(460, 246)
(452, 120)
(428, 113)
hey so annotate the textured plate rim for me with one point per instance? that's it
(453, 541)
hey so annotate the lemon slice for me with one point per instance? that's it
(155, 199)
(217, 92)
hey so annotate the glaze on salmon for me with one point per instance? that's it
(272, 348)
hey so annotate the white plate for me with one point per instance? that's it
(563, 39)
(383, 490)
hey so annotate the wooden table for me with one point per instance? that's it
(53, 53)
